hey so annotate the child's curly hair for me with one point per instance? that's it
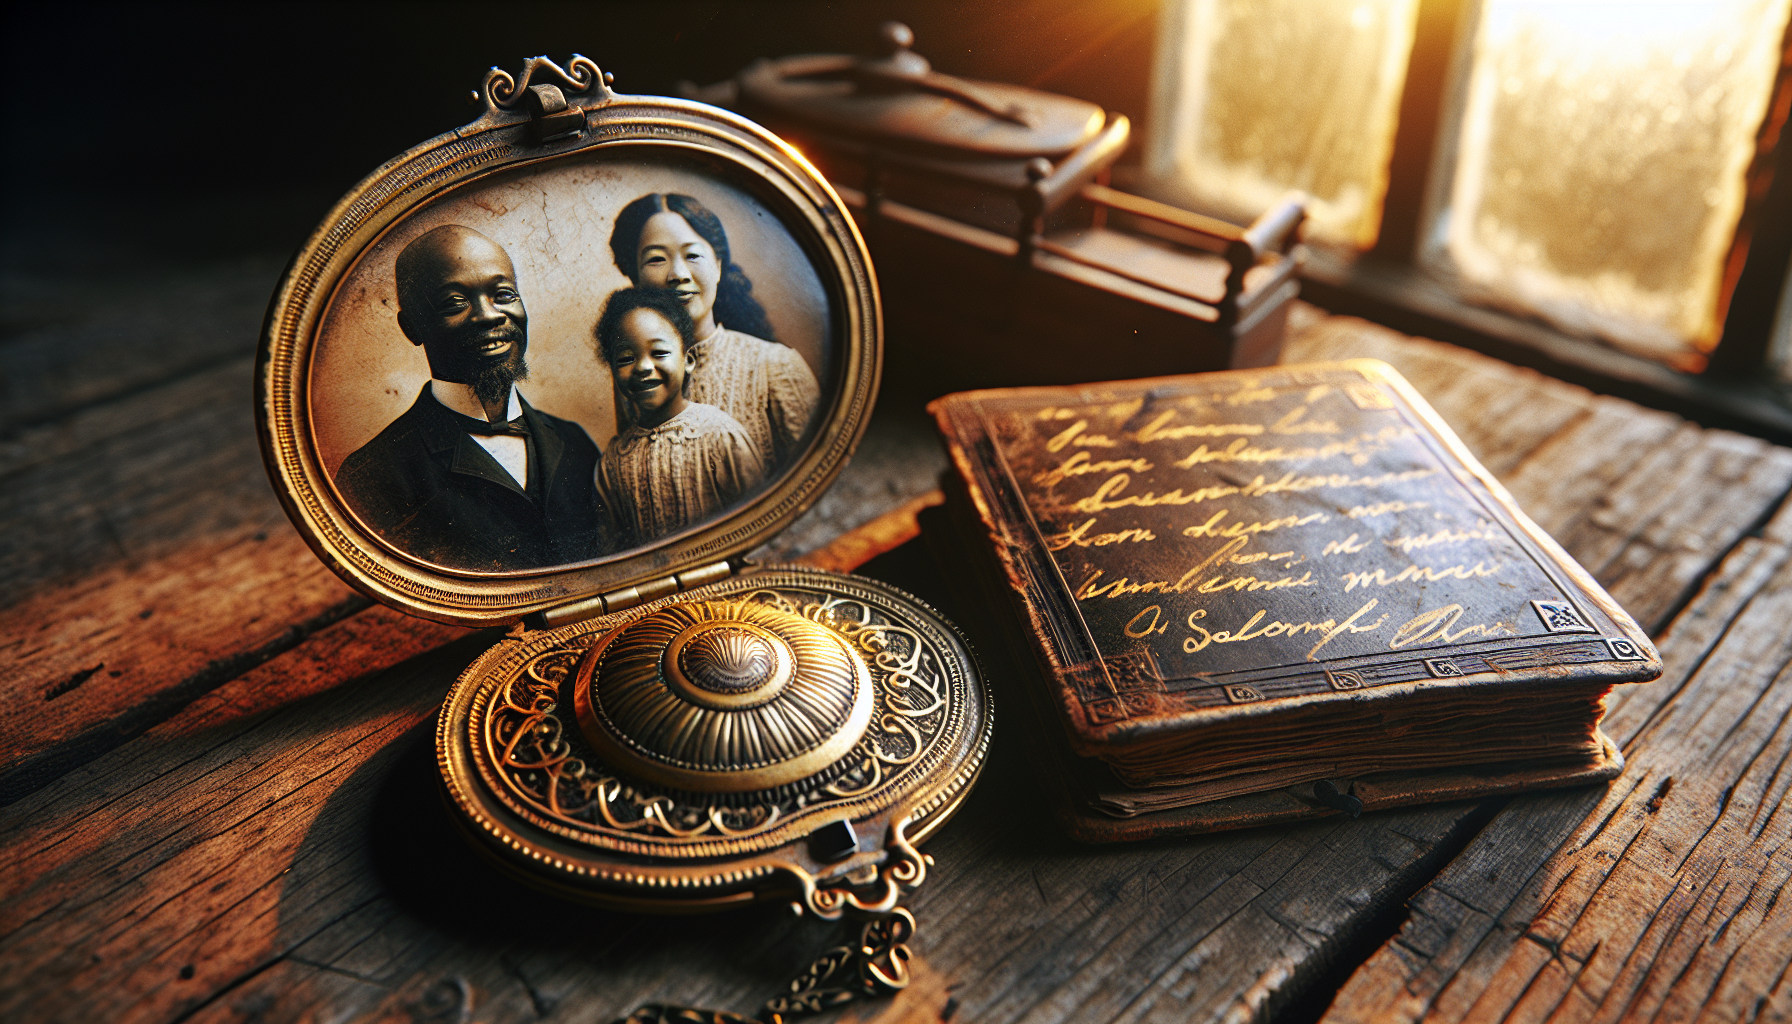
(624, 301)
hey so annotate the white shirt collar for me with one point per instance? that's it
(461, 399)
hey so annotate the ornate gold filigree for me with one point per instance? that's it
(550, 768)
(502, 91)
(539, 798)
(903, 870)
(877, 966)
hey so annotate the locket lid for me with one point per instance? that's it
(806, 776)
(559, 197)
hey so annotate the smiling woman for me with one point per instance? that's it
(673, 241)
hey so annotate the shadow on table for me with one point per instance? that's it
(412, 909)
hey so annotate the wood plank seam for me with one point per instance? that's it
(1699, 873)
(15, 430)
(31, 773)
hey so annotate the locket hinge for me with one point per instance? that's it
(550, 116)
(616, 600)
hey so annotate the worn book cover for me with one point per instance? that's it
(1270, 594)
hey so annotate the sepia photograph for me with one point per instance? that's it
(557, 365)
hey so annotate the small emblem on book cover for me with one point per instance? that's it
(1134, 673)
(1561, 617)
(1624, 650)
(1368, 396)
(1242, 694)
(1116, 675)
(1442, 667)
(1345, 680)
(1101, 712)
(1118, 686)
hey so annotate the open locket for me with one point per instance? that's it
(562, 368)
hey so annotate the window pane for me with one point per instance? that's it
(1255, 97)
(1600, 158)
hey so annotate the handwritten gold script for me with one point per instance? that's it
(1415, 574)
(1359, 448)
(1409, 544)
(1073, 434)
(1296, 422)
(1241, 584)
(1383, 508)
(1079, 536)
(1080, 464)
(1109, 496)
(1159, 429)
(1435, 626)
(1211, 527)
(1329, 629)
(1157, 623)
(1227, 553)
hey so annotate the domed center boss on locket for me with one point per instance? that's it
(724, 698)
(561, 370)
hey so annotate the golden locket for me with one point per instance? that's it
(667, 726)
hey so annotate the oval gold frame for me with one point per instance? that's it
(502, 140)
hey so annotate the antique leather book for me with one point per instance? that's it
(1264, 595)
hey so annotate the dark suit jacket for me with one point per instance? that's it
(427, 487)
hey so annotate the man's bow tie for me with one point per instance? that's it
(511, 428)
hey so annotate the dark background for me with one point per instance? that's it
(181, 133)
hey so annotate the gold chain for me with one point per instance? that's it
(875, 967)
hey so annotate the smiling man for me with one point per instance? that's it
(472, 476)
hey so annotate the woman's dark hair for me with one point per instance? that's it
(735, 307)
(624, 301)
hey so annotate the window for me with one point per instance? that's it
(1262, 96)
(1596, 169)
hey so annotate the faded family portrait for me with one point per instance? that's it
(551, 367)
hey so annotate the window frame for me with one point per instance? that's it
(1737, 389)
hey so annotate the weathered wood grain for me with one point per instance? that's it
(145, 558)
(140, 867)
(1700, 507)
(1229, 926)
(147, 561)
(1502, 412)
(1647, 502)
(71, 340)
(1659, 898)
(274, 850)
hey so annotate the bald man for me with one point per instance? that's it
(472, 476)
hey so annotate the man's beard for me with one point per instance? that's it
(492, 384)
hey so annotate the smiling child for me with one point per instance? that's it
(681, 461)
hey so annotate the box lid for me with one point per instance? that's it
(897, 99)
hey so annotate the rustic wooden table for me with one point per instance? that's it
(219, 805)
